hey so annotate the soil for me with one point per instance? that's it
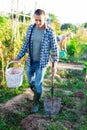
(71, 66)
(36, 121)
(39, 122)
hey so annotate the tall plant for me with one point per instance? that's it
(71, 47)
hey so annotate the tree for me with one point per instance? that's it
(85, 25)
(68, 26)
(53, 22)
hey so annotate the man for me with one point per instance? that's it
(40, 41)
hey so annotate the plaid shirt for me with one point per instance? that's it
(48, 44)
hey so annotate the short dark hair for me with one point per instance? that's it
(39, 12)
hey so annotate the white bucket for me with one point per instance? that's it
(14, 75)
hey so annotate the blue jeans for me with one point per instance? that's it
(35, 76)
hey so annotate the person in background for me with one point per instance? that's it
(41, 43)
(62, 39)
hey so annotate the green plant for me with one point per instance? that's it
(51, 127)
(85, 67)
(71, 48)
(55, 126)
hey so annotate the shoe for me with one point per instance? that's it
(35, 108)
(36, 102)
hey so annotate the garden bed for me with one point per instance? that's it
(69, 86)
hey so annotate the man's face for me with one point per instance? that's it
(39, 20)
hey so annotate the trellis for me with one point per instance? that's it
(15, 10)
(15, 22)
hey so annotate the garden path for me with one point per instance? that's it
(72, 66)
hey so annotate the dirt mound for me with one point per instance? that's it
(34, 122)
(39, 122)
(17, 103)
(79, 94)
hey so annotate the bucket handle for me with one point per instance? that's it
(13, 62)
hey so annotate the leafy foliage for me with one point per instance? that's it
(85, 25)
(71, 48)
(54, 23)
(69, 26)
